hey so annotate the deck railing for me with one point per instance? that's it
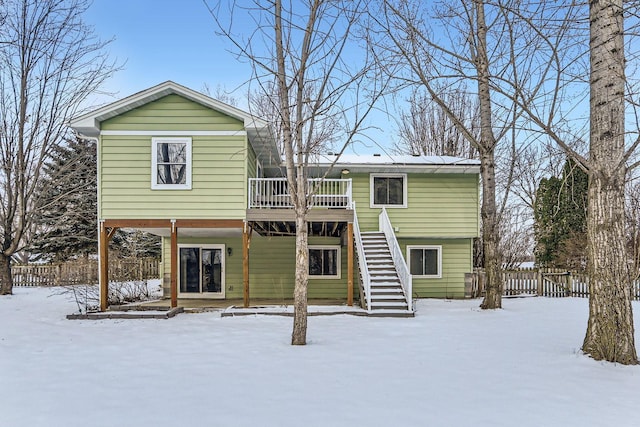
(396, 254)
(274, 193)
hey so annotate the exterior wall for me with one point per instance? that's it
(457, 260)
(271, 268)
(219, 166)
(438, 205)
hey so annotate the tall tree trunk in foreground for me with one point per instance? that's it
(490, 234)
(299, 333)
(610, 327)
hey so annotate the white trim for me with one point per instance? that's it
(173, 133)
(426, 276)
(259, 169)
(89, 124)
(338, 250)
(405, 185)
(154, 163)
(199, 295)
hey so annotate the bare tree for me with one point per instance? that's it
(426, 129)
(51, 63)
(555, 106)
(298, 51)
(464, 47)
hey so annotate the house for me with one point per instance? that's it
(208, 178)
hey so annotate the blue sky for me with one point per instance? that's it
(161, 40)
(165, 40)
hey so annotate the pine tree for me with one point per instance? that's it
(68, 215)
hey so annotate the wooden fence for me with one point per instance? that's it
(545, 282)
(84, 272)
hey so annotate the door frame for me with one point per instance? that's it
(204, 295)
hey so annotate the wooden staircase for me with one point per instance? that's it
(387, 296)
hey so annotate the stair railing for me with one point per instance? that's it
(396, 254)
(362, 262)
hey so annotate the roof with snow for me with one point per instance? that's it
(397, 163)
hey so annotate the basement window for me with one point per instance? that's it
(324, 262)
(425, 261)
(171, 164)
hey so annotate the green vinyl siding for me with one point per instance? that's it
(438, 205)
(456, 261)
(172, 112)
(220, 164)
(271, 267)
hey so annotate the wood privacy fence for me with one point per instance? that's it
(546, 282)
(84, 272)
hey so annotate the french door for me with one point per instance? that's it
(201, 271)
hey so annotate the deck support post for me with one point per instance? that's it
(105, 236)
(350, 264)
(246, 242)
(174, 264)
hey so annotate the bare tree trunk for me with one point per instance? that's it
(490, 233)
(299, 334)
(492, 259)
(6, 281)
(610, 331)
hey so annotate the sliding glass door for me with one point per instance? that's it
(201, 270)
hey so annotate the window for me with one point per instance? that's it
(201, 270)
(324, 262)
(425, 261)
(388, 190)
(171, 164)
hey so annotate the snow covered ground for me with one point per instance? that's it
(451, 365)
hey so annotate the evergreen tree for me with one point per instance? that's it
(68, 217)
(560, 219)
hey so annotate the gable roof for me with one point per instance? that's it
(258, 130)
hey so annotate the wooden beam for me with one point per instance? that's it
(350, 264)
(104, 267)
(180, 223)
(174, 266)
(138, 223)
(246, 239)
(210, 223)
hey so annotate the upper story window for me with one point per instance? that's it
(171, 164)
(389, 190)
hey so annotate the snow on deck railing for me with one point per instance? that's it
(274, 193)
(362, 262)
(396, 254)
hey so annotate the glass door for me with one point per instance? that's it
(201, 271)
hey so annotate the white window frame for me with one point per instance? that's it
(204, 295)
(405, 185)
(426, 276)
(338, 250)
(154, 163)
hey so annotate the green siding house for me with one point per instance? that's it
(208, 178)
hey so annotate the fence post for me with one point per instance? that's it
(569, 284)
(539, 287)
(58, 275)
